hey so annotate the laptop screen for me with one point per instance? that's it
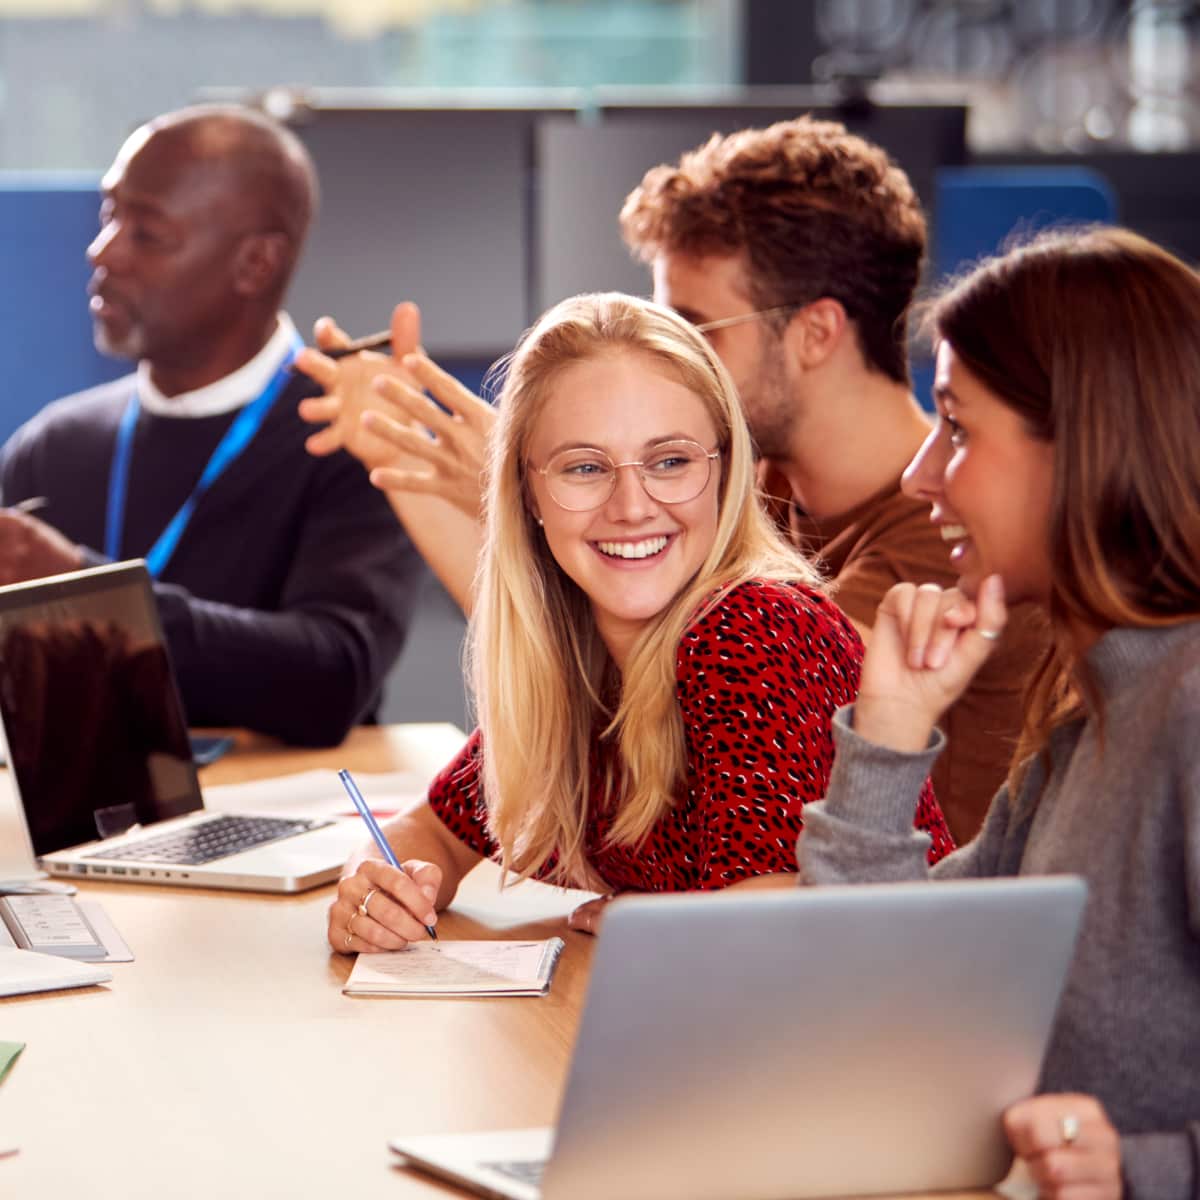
(96, 735)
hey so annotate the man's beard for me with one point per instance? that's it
(130, 344)
(770, 407)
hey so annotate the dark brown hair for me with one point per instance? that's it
(1093, 336)
(817, 212)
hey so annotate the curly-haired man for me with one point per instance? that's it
(798, 249)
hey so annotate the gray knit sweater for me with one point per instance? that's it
(1120, 805)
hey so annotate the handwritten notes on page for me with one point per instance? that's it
(449, 968)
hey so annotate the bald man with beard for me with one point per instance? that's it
(283, 583)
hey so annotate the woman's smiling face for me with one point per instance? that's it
(989, 482)
(631, 555)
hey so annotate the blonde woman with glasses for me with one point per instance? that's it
(654, 670)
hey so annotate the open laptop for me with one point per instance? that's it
(780, 1045)
(99, 755)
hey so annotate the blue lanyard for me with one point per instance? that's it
(237, 438)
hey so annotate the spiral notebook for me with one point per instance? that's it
(466, 968)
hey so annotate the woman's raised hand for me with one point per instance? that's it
(926, 644)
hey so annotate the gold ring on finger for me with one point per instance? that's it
(362, 908)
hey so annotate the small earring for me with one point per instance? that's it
(539, 520)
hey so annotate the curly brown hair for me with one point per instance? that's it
(818, 212)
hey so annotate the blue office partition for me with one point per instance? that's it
(46, 223)
(979, 210)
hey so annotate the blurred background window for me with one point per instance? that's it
(1047, 76)
(77, 75)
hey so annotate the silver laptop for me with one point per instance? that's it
(790, 1044)
(99, 753)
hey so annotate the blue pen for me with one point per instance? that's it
(377, 833)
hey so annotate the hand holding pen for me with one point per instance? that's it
(346, 375)
(363, 908)
(29, 547)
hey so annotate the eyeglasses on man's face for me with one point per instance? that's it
(584, 478)
(741, 318)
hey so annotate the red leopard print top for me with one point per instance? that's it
(758, 678)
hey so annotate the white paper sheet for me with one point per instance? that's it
(23, 971)
(458, 968)
(319, 794)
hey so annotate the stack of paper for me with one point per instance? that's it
(23, 971)
(449, 968)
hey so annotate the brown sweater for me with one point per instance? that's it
(889, 539)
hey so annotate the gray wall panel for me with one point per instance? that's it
(426, 206)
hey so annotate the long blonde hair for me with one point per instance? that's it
(543, 679)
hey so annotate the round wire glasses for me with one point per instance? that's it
(584, 478)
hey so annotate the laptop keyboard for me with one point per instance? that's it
(208, 841)
(527, 1171)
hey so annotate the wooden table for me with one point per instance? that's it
(226, 1061)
